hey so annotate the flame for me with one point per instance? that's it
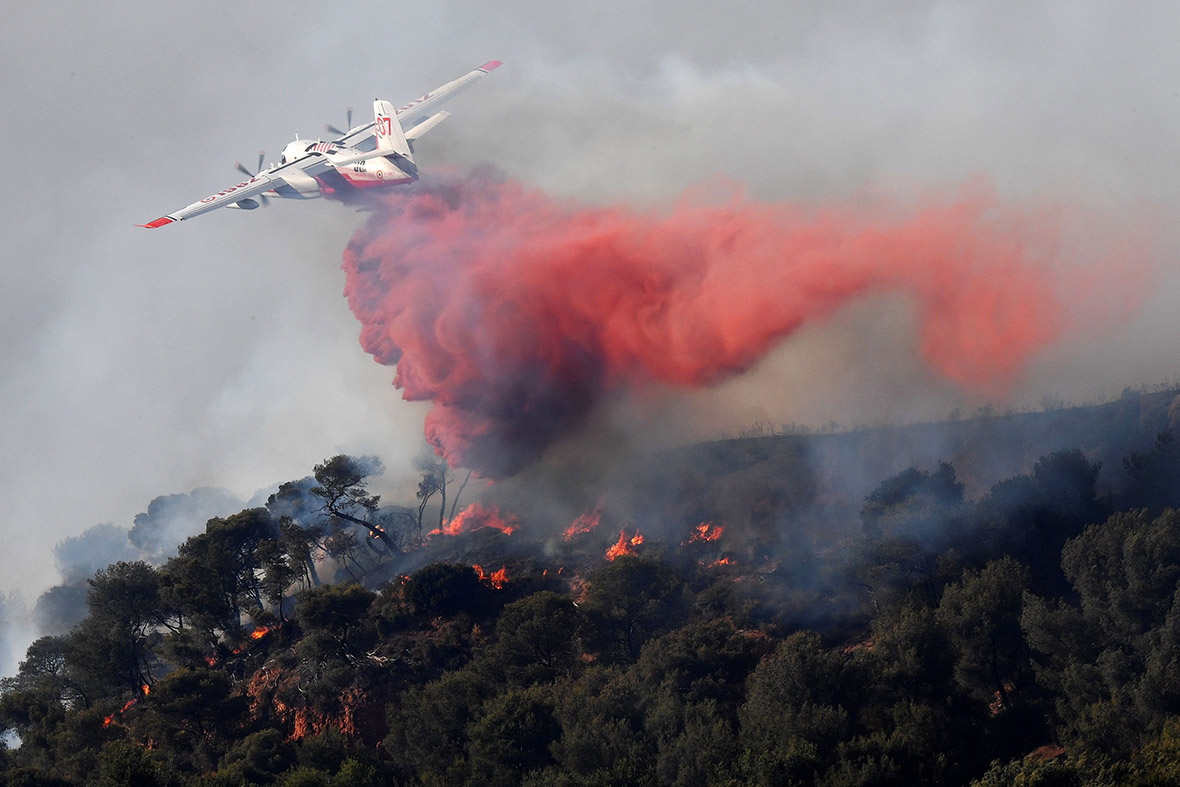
(260, 632)
(705, 532)
(624, 546)
(725, 561)
(211, 661)
(497, 579)
(584, 524)
(474, 517)
(109, 720)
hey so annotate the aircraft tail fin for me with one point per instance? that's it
(391, 139)
(390, 136)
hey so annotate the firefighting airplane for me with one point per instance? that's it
(373, 155)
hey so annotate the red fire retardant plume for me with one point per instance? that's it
(515, 312)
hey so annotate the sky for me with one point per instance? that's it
(220, 351)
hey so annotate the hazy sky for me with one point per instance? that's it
(220, 352)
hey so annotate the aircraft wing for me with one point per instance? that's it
(416, 118)
(297, 172)
(263, 181)
(421, 110)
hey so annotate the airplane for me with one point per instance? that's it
(373, 155)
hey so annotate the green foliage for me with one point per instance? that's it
(427, 730)
(1155, 474)
(604, 739)
(913, 502)
(121, 764)
(1030, 518)
(1031, 771)
(980, 617)
(256, 759)
(445, 589)
(513, 737)
(335, 621)
(1111, 661)
(630, 600)
(797, 710)
(537, 639)
(965, 655)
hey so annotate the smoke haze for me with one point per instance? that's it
(516, 314)
(218, 353)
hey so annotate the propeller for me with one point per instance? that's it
(261, 157)
(336, 131)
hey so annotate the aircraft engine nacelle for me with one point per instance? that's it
(305, 186)
(247, 204)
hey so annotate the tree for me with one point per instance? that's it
(343, 486)
(219, 574)
(1155, 474)
(913, 502)
(980, 617)
(335, 620)
(1031, 517)
(436, 474)
(113, 646)
(1113, 660)
(121, 764)
(705, 661)
(258, 758)
(630, 600)
(1125, 572)
(427, 732)
(444, 590)
(537, 639)
(513, 737)
(604, 739)
(192, 713)
(796, 711)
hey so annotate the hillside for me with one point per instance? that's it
(987, 600)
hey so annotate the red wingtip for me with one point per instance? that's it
(160, 222)
(491, 65)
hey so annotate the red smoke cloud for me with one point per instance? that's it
(515, 312)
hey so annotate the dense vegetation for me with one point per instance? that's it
(1028, 636)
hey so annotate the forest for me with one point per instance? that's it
(1024, 634)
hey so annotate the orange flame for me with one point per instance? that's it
(496, 579)
(474, 517)
(584, 524)
(624, 546)
(260, 632)
(109, 720)
(705, 532)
